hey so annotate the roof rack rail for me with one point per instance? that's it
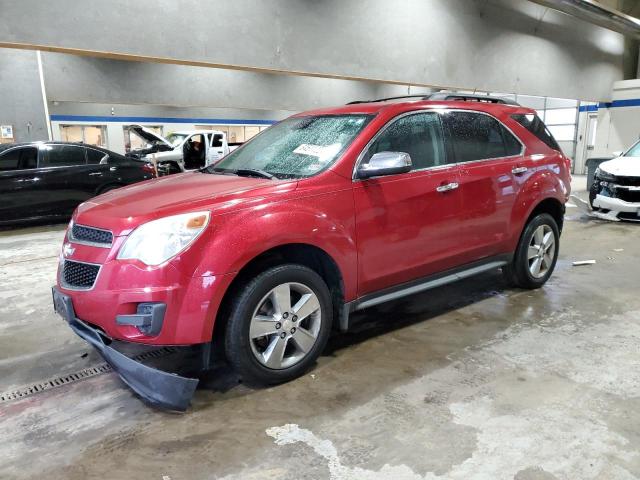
(417, 97)
(469, 97)
(443, 96)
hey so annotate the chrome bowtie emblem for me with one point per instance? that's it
(67, 250)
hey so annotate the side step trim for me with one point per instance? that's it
(428, 283)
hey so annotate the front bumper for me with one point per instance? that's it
(617, 207)
(159, 388)
(616, 204)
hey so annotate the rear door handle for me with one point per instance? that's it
(519, 170)
(447, 187)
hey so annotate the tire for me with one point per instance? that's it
(592, 197)
(522, 270)
(261, 324)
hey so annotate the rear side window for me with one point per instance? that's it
(536, 126)
(216, 140)
(475, 136)
(95, 156)
(64, 156)
(19, 159)
(420, 135)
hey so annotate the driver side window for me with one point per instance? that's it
(420, 135)
(22, 158)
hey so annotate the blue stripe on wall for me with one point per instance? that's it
(630, 102)
(211, 121)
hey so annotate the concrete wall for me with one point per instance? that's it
(21, 103)
(97, 80)
(496, 45)
(72, 78)
(115, 93)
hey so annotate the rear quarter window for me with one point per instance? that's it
(94, 157)
(537, 127)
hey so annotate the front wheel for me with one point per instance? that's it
(279, 324)
(536, 255)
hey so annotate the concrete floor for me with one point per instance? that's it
(472, 380)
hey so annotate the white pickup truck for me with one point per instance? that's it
(181, 151)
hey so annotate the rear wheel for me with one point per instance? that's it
(278, 325)
(537, 253)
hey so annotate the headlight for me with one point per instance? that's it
(157, 241)
(601, 175)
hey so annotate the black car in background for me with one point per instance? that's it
(48, 180)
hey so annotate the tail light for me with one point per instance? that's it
(149, 168)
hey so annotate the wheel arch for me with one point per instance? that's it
(305, 254)
(553, 207)
(542, 192)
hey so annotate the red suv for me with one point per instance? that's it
(324, 213)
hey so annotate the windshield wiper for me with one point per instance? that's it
(211, 169)
(253, 172)
(241, 172)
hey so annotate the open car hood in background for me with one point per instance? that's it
(149, 135)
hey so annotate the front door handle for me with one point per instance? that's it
(519, 170)
(447, 187)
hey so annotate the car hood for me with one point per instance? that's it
(149, 135)
(622, 166)
(124, 209)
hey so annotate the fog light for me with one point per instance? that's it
(148, 318)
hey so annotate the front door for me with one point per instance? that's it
(20, 184)
(407, 224)
(194, 150)
(216, 148)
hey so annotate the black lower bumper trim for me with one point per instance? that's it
(159, 388)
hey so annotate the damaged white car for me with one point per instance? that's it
(616, 188)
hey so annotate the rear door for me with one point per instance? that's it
(407, 224)
(216, 148)
(99, 173)
(68, 179)
(20, 185)
(488, 155)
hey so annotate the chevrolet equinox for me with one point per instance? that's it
(262, 254)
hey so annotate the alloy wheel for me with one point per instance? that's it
(285, 325)
(541, 251)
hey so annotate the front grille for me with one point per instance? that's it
(79, 275)
(80, 233)
(627, 181)
(628, 195)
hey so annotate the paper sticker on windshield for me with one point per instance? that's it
(314, 150)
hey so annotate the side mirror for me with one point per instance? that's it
(104, 160)
(385, 163)
(618, 153)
